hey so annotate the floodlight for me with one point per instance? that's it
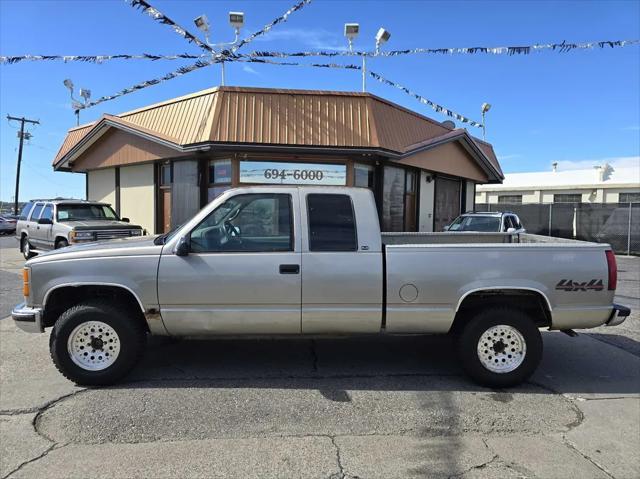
(69, 84)
(351, 30)
(486, 107)
(236, 19)
(86, 94)
(382, 36)
(202, 22)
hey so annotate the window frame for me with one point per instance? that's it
(518, 202)
(567, 195)
(355, 224)
(292, 232)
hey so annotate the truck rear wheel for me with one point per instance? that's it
(96, 343)
(500, 347)
(25, 246)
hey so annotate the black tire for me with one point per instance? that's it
(25, 247)
(470, 336)
(130, 332)
(61, 243)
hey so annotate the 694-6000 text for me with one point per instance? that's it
(295, 174)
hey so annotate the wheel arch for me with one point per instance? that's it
(529, 300)
(63, 296)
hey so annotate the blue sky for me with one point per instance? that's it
(579, 108)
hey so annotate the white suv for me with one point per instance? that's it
(489, 222)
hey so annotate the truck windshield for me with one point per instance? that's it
(82, 212)
(476, 223)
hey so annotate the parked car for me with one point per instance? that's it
(317, 264)
(7, 225)
(52, 224)
(488, 222)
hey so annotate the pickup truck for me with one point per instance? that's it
(291, 261)
(53, 224)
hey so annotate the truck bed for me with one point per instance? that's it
(470, 238)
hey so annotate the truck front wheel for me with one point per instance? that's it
(500, 347)
(96, 343)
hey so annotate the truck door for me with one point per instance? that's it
(341, 270)
(242, 274)
(44, 232)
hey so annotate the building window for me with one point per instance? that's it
(510, 199)
(567, 198)
(410, 201)
(220, 174)
(629, 198)
(332, 225)
(363, 175)
(166, 175)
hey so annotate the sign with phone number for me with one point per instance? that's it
(282, 173)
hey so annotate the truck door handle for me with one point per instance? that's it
(289, 269)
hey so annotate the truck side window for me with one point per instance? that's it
(246, 223)
(332, 225)
(24, 214)
(35, 214)
(48, 212)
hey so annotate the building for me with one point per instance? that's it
(160, 164)
(601, 184)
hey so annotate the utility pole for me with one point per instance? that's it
(22, 135)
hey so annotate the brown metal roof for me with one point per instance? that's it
(280, 117)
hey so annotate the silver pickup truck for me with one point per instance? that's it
(292, 261)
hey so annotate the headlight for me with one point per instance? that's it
(136, 232)
(81, 235)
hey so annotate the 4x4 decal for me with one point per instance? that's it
(570, 285)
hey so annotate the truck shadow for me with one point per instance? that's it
(582, 365)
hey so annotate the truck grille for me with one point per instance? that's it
(112, 234)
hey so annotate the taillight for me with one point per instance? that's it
(613, 270)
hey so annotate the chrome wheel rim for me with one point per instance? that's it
(26, 248)
(502, 349)
(93, 345)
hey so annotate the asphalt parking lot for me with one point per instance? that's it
(380, 408)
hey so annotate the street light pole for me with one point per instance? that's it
(22, 136)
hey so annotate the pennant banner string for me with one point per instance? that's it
(163, 19)
(97, 58)
(269, 26)
(513, 50)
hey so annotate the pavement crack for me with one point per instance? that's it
(476, 467)
(569, 400)
(573, 447)
(37, 458)
(41, 410)
(341, 474)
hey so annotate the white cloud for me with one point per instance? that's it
(509, 157)
(316, 38)
(250, 70)
(615, 162)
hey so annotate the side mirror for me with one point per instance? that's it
(45, 221)
(511, 230)
(446, 228)
(183, 247)
(126, 220)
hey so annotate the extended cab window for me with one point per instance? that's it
(246, 223)
(332, 225)
(36, 211)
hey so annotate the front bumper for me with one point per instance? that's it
(28, 319)
(618, 315)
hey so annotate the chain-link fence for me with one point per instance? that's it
(615, 223)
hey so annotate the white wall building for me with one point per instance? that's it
(601, 184)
